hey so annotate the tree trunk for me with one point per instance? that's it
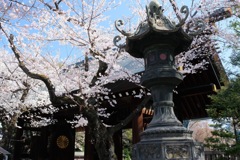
(100, 135)
(104, 145)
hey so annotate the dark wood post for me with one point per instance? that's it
(89, 151)
(18, 144)
(117, 138)
(137, 128)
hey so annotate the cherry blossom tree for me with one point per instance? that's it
(41, 40)
(201, 129)
(44, 27)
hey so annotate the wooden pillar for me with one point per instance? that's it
(18, 144)
(44, 138)
(137, 128)
(89, 150)
(87, 147)
(117, 138)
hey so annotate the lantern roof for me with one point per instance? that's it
(157, 28)
(156, 21)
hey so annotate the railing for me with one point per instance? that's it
(79, 156)
(214, 155)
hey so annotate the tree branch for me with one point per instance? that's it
(101, 71)
(45, 79)
(25, 91)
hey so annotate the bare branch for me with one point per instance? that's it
(48, 5)
(56, 5)
(21, 3)
(96, 53)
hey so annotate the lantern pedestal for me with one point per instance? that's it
(168, 147)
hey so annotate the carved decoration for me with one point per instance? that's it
(156, 18)
(118, 24)
(150, 151)
(198, 151)
(62, 142)
(116, 41)
(177, 151)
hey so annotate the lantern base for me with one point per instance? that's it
(167, 144)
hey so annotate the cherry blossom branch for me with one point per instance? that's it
(51, 89)
(103, 67)
(56, 9)
(101, 71)
(73, 20)
(25, 91)
(21, 3)
(95, 53)
(49, 6)
(45, 79)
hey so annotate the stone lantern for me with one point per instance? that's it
(158, 41)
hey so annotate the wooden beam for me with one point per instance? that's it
(219, 14)
(196, 90)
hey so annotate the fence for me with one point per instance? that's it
(214, 155)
